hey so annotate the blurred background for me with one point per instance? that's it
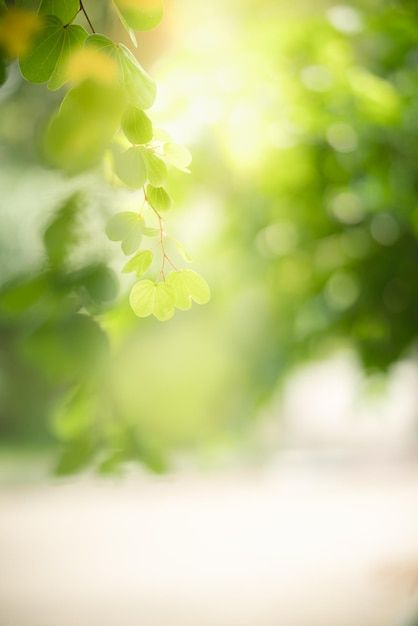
(282, 416)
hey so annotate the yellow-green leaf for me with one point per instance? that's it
(140, 263)
(187, 285)
(130, 167)
(158, 198)
(150, 298)
(155, 167)
(139, 14)
(136, 125)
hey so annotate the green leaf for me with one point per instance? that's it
(150, 298)
(139, 263)
(177, 155)
(126, 26)
(156, 168)
(136, 125)
(73, 39)
(80, 132)
(187, 285)
(48, 56)
(65, 10)
(127, 228)
(158, 198)
(139, 14)
(139, 87)
(129, 166)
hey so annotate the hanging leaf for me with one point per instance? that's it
(80, 132)
(130, 167)
(156, 168)
(136, 125)
(140, 263)
(150, 298)
(48, 56)
(126, 227)
(139, 14)
(65, 10)
(186, 286)
(158, 198)
(139, 87)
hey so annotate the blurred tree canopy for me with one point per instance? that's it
(305, 152)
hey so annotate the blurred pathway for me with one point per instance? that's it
(285, 547)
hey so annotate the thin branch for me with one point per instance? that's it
(86, 16)
(164, 255)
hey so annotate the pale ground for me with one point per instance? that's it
(296, 544)
(325, 536)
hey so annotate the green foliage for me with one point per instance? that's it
(130, 167)
(140, 263)
(139, 88)
(156, 169)
(137, 126)
(152, 298)
(140, 14)
(128, 228)
(65, 10)
(84, 126)
(186, 286)
(47, 59)
(158, 198)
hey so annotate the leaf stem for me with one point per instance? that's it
(164, 255)
(86, 16)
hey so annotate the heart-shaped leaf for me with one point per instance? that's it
(187, 285)
(140, 263)
(65, 10)
(139, 14)
(158, 198)
(48, 57)
(151, 298)
(130, 167)
(155, 167)
(136, 125)
(126, 227)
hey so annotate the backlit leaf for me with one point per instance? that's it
(80, 132)
(139, 263)
(50, 51)
(130, 167)
(65, 10)
(155, 167)
(139, 87)
(150, 298)
(140, 14)
(187, 285)
(158, 198)
(126, 227)
(136, 125)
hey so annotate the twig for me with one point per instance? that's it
(86, 16)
